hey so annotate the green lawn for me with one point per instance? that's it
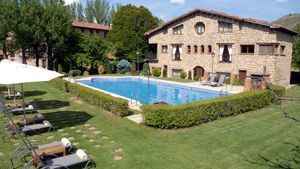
(241, 141)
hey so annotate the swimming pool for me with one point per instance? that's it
(137, 89)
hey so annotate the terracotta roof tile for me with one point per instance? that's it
(90, 25)
(222, 14)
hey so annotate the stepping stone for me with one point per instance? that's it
(64, 134)
(62, 108)
(84, 135)
(87, 125)
(137, 118)
(33, 140)
(16, 144)
(112, 141)
(76, 143)
(73, 98)
(60, 130)
(118, 158)
(97, 132)
(119, 150)
(79, 101)
(92, 128)
(91, 140)
(50, 137)
(105, 137)
(78, 131)
(1, 154)
(97, 145)
(73, 127)
(71, 138)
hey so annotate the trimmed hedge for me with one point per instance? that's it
(192, 114)
(115, 105)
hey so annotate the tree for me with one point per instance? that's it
(80, 10)
(91, 52)
(296, 48)
(89, 11)
(72, 10)
(129, 25)
(101, 11)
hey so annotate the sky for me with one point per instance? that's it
(268, 10)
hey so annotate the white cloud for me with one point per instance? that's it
(282, 1)
(180, 2)
(68, 2)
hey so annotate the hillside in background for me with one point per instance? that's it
(289, 21)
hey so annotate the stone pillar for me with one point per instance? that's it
(232, 77)
(206, 76)
(248, 84)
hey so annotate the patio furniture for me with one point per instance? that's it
(29, 121)
(44, 127)
(211, 80)
(77, 160)
(18, 111)
(47, 151)
(220, 82)
(9, 96)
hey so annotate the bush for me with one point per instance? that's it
(86, 73)
(107, 102)
(146, 69)
(133, 68)
(156, 72)
(75, 73)
(190, 75)
(183, 74)
(101, 70)
(236, 82)
(195, 113)
(123, 66)
(60, 68)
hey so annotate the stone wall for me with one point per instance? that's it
(278, 66)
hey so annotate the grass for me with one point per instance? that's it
(249, 140)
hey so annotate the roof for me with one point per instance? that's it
(89, 25)
(222, 14)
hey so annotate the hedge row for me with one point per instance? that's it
(115, 105)
(186, 115)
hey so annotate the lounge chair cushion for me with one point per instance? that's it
(56, 143)
(66, 161)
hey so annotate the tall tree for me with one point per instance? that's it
(129, 25)
(80, 10)
(89, 11)
(113, 11)
(73, 10)
(296, 48)
(101, 11)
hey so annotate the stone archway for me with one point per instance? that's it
(198, 72)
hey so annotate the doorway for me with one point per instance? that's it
(242, 76)
(165, 71)
(198, 72)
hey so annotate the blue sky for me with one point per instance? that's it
(268, 10)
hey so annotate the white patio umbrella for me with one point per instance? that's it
(16, 73)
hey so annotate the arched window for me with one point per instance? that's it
(209, 49)
(195, 48)
(202, 49)
(188, 49)
(200, 28)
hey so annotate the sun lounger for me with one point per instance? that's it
(29, 109)
(220, 82)
(211, 80)
(77, 160)
(18, 95)
(46, 126)
(64, 142)
(29, 120)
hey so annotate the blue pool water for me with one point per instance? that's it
(137, 89)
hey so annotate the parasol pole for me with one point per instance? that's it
(23, 103)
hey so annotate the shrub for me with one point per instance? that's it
(236, 82)
(196, 78)
(107, 102)
(156, 72)
(195, 113)
(183, 74)
(123, 66)
(190, 75)
(133, 68)
(101, 70)
(146, 69)
(75, 73)
(86, 73)
(60, 68)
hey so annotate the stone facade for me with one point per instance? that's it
(242, 33)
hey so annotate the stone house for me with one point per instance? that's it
(90, 28)
(204, 41)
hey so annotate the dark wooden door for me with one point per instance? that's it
(198, 72)
(165, 71)
(242, 76)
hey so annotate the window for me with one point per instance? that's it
(202, 49)
(225, 53)
(97, 31)
(200, 28)
(91, 31)
(188, 49)
(209, 49)
(225, 27)
(164, 49)
(82, 30)
(176, 72)
(282, 48)
(177, 52)
(247, 49)
(178, 30)
(195, 49)
(267, 49)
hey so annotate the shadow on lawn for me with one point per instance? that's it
(34, 93)
(62, 119)
(49, 104)
(290, 160)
